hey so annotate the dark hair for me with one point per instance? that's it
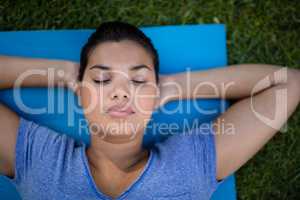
(116, 31)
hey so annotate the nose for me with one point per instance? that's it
(119, 94)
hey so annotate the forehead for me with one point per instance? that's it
(120, 54)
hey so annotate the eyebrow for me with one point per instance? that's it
(133, 68)
(100, 67)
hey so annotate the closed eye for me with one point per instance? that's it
(102, 82)
(109, 80)
(138, 82)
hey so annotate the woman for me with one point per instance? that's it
(119, 87)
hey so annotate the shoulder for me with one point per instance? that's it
(194, 153)
(35, 136)
(189, 142)
(39, 147)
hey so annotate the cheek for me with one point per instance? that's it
(91, 100)
(145, 101)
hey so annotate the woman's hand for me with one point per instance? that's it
(71, 75)
(168, 90)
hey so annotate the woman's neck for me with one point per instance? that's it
(122, 156)
(115, 167)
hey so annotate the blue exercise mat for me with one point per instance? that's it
(196, 47)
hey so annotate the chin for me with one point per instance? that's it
(120, 138)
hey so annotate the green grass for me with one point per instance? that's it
(258, 32)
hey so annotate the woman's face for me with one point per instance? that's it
(119, 91)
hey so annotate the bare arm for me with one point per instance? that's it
(232, 82)
(267, 96)
(33, 72)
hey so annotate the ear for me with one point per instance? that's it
(78, 93)
(76, 88)
(158, 102)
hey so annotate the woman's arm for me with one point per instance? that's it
(232, 82)
(36, 72)
(267, 96)
(33, 72)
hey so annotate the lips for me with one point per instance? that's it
(120, 111)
